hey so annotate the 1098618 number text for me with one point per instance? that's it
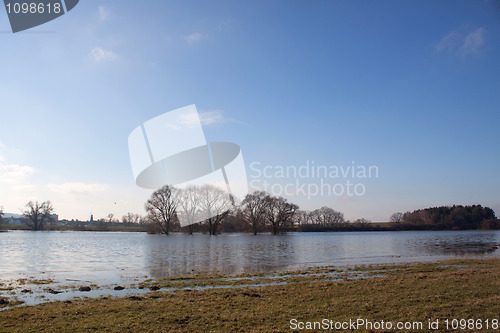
(33, 8)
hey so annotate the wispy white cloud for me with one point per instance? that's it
(98, 54)
(24, 188)
(212, 117)
(20, 183)
(225, 25)
(193, 38)
(205, 117)
(189, 120)
(77, 188)
(463, 41)
(103, 14)
(217, 117)
(14, 174)
(474, 41)
(448, 42)
(15, 177)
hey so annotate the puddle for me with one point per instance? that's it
(37, 293)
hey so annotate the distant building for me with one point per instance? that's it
(18, 219)
(14, 219)
(54, 218)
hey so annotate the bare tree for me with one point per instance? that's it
(302, 217)
(316, 217)
(362, 222)
(326, 216)
(214, 204)
(188, 210)
(255, 206)
(161, 208)
(406, 217)
(131, 218)
(279, 212)
(36, 214)
(420, 216)
(111, 218)
(396, 217)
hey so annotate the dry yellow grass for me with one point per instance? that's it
(418, 292)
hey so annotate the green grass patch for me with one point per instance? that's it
(40, 281)
(49, 227)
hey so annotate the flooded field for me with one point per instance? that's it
(39, 266)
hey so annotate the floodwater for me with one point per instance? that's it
(124, 258)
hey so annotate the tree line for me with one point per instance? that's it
(209, 209)
(257, 212)
(455, 217)
(260, 212)
(36, 215)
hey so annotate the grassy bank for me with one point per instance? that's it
(388, 226)
(227, 228)
(6, 227)
(419, 292)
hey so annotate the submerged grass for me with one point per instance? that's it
(414, 292)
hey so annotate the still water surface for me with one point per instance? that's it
(122, 257)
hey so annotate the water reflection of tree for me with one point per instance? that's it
(227, 254)
(462, 246)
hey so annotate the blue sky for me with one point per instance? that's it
(410, 87)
